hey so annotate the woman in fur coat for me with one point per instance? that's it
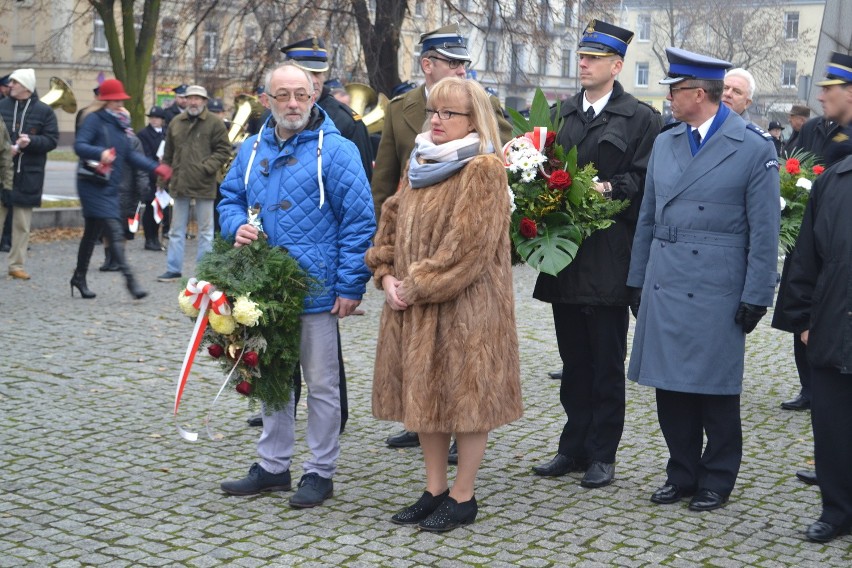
(447, 354)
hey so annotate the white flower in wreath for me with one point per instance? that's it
(185, 303)
(783, 203)
(246, 312)
(804, 183)
(511, 199)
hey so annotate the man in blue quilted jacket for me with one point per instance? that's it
(315, 202)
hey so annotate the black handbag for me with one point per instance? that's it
(86, 171)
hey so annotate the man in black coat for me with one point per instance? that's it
(310, 54)
(152, 137)
(799, 114)
(33, 132)
(791, 307)
(816, 136)
(817, 305)
(616, 132)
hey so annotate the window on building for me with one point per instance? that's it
(418, 8)
(642, 71)
(791, 25)
(544, 15)
(210, 47)
(567, 62)
(569, 13)
(464, 5)
(519, 8)
(99, 41)
(681, 31)
(517, 63)
(644, 25)
(542, 61)
(788, 74)
(168, 33)
(490, 55)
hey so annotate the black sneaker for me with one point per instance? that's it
(169, 277)
(257, 481)
(313, 490)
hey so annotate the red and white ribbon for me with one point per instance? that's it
(204, 297)
(538, 137)
(133, 222)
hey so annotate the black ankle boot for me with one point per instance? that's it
(449, 515)
(424, 507)
(109, 265)
(79, 281)
(133, 287)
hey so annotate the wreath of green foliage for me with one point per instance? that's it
(795, 196)
(272, 279)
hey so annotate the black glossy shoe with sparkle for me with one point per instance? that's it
(424, 507)
(449, 515)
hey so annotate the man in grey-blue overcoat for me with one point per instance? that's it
(705, 257)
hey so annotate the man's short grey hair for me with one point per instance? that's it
(267, 79)
(740, 72)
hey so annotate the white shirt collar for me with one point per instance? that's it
(598, 105)
(704, 128)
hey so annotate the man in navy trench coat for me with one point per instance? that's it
(705, 255)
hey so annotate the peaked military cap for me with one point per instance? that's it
(838, 71)
(4, 80)
(309, 54)
(180, 89)
(685, 65)
(334, 84)
(601, 38)
(215, 105)
(402, 88)
(447, 41)
(156, 112)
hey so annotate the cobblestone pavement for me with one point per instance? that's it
(94, 474)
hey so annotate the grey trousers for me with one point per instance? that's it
(321, 371)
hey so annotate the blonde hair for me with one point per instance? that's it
(94, 107)
(471, 95)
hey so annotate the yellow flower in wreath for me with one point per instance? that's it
(246, 312)
(224, 325)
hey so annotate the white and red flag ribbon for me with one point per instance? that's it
(133, 222)
(204, 297)
(538, 137)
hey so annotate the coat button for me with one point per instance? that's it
(694, 251)
(690, 294)
(701, 208)
(662, 245)
(656, 286)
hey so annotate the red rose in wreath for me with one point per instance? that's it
(251, 359)
(215, 350)
(793, 166)
(560, 179)
(550, 139)
(818, 170)
(244, 388)
(528, 228)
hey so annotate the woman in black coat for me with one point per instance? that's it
(104, 140)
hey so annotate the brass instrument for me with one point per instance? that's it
(363, 97)
(246, 108)
(60, 95)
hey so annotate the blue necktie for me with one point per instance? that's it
(696, 136)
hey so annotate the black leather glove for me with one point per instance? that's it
(748, 315)
(635, 298)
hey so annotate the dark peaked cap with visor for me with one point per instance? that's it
(309, 54)
(838, 71)
(601, 38)
(684, 65)
(447, 41)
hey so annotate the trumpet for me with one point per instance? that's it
(60, 95)
(361, 98)
(247, 107)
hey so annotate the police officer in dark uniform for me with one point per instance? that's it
(590, 300)
(179, 104)
(310, 54)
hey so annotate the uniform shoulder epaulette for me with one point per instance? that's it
(398, 97)
(650, 106)
(759, 131)
(669, 126)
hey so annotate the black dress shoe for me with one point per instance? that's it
(256, 420)
(424, 507)
(404, 439)
(560, 465)
(798, 403)
(706, 500)
(821, 531)
(599, 474)
(669, 493)
(5, 247)
(453, 455)
(807, 476)
(449, 515)
(555, 375)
